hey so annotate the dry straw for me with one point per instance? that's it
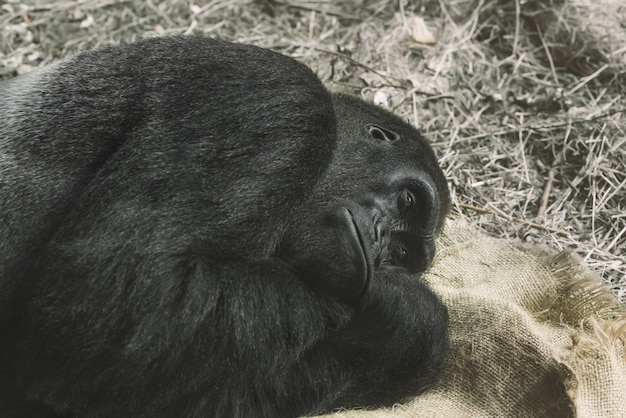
(522, 99)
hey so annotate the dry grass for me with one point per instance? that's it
(522, 101)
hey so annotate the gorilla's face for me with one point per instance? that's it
(379, 204)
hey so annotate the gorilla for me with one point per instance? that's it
(194, 228)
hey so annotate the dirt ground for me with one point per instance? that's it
(523, 101)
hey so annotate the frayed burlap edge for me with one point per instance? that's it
(533, 333)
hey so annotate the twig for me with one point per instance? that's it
(515, 219)
(546, 194)
(548, 53)
(546, 127)
(313, 9)
(389, 79)
(68, 5)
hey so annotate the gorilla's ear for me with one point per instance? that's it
(379, 133)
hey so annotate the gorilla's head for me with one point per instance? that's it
(379, 204)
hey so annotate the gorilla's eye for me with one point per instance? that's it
(398, 254)
(406, 201)
(381, 134)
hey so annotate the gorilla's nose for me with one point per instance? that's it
(382, 233)
(382, 238)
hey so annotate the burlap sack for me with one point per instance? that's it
(532, 334)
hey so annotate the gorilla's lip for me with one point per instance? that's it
(358, 238)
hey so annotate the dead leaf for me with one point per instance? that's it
(417, 29)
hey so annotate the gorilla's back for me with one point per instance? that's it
(30, 195)
(60, 125)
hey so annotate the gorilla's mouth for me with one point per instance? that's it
(366, 266)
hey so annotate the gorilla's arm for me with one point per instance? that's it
(200, 343)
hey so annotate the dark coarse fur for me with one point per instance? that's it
(190, 227)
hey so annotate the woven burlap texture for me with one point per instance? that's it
(532, 334)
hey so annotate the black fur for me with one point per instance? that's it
(190, 227)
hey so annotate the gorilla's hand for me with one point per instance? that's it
(366, 240)
(339, 253)
(418, 333)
